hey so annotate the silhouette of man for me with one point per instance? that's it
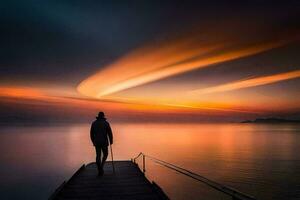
(100, 133)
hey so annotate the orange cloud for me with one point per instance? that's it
(159, 61)
(21, 92)
(151, 64)
(139, 67)
(249, 83)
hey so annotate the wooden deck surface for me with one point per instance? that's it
(128, 183)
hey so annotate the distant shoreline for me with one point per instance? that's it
(271, 121)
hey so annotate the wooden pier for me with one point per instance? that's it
(128, 182)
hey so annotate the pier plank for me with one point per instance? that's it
(127, 183)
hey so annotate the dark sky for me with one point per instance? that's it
(65, 41)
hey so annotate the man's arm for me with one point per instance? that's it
(109, 133)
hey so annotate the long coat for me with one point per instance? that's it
(100, 132)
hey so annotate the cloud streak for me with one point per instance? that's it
(150, 64)
(264, 80)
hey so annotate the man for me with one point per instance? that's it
(100, 133)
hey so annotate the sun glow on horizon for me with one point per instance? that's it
(125, 84)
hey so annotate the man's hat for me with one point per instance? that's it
(101, 115)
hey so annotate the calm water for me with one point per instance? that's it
(262, 160)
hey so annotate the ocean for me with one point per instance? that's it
(261, 160)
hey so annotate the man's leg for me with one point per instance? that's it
(105, 154)
(98, 159)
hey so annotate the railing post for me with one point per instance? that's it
(144, 164)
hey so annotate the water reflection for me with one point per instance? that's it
(258, 159)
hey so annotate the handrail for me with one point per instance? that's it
(138, 156)
(227, 190)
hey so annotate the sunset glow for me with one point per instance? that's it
(20, 92)
(199, 66)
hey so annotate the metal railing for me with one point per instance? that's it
(235, 194)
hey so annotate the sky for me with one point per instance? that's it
(165, 61)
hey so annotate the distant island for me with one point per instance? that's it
(271, 121)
